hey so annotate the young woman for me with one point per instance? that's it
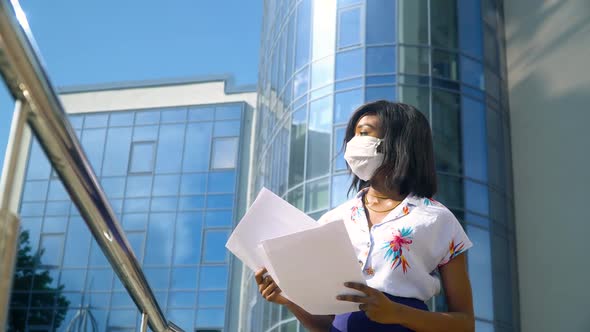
(401, 236)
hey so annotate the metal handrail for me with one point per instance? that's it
(28, 82)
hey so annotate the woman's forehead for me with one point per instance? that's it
(369, 120)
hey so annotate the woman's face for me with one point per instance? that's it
(368, 125)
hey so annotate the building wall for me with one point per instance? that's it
(174, 176)
(322, 59)
(548, 47)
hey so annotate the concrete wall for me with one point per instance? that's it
(548, 51)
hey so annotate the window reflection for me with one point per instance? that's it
(443, 19)
(322, 72)
(214, 246)
(297, 146)
(317, 195)
(170, 148)
(213, 277)
(187, 240)
(349, 64)
(413, 21)
(225, 153)
(381, 27)
(381, 60)
(318, 146)
(349, 27)
(345, 103)
(414, 60)
(303, 32)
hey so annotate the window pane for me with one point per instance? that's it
(340, 185)
(170, 147)
(226, 128)
(200, 113)
(470, 25)
(119, 119)
(349, 32)
(189, 203)
(172, 115)
(212, 299)
(446, 131)
(445, 64)
(214, 246)
(99, 280)
(77, 243)
(184, 278)
(417, 97)
(135, 221)
(184, 318)
(322, 72)
(320, 128)
(116, 159)
(52, 249)
(301, 83)
(295, 197)
(197, 150)
(113, 187)
(476, 197)
(213, 277)
(59, 208)
(38, 167)
(324, 28)
(35, 191)
(57, 191)
(297, 151)
(137, 205)
(472, 72)
(474, 135)
(187, 240)
(223, 218)
(164, 204)
(303, 33)
(414, 60)
(193, 184)
(139, 186)
(480, 272)
(380, 93)
(147, 117)
(443, 15)
(349, 64)
(159, 245)
(339, 163)
(158, 278)
(222, 182)
(380, 60)
(76, 121)
(228, 112)
(413, 25)
(73, 280)
(345, 103)
(96, 120)
(211, 317)
(166, 185)
(220, 201)
(145, 133)
(136, 240)
(381, 27)
(225, 153)
(317, 195)
(182, 300)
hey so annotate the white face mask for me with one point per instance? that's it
(362, 156)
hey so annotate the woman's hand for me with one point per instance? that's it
(375, 304)
(269, 289)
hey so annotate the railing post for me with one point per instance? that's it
(11, 184)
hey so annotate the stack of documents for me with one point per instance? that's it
(309, 262)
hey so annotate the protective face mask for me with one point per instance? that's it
(362, 156)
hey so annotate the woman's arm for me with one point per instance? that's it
(272, 293)
(458, 293)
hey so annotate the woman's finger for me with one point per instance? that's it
(259, 275)
(360, 287)
(268, 290)
(353, 298)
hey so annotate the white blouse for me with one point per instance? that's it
(400, 255)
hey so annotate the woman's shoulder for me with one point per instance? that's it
(434, 208)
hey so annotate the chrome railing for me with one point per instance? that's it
(39, 107)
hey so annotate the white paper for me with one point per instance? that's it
(313, 265)
(268, 217)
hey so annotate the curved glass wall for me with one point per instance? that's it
(320, 59)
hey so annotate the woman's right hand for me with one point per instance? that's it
(269, 290)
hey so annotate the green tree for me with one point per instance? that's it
(45, 300)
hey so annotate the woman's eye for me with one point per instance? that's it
(363, 133)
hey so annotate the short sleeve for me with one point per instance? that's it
(329, 216)
(454, 238)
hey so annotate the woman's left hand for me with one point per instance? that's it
(374, 303)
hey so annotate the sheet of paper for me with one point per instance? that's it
(313, 265)
(268, 217)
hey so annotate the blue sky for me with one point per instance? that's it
(89, 42)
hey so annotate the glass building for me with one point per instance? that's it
(174, 177)
(320, 59)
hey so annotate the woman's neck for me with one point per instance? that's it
(379, 192)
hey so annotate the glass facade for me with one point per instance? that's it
(171, 176)
(320, 59)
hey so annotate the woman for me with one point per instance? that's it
(401, 236)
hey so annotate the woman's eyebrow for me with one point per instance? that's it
(364, 125)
